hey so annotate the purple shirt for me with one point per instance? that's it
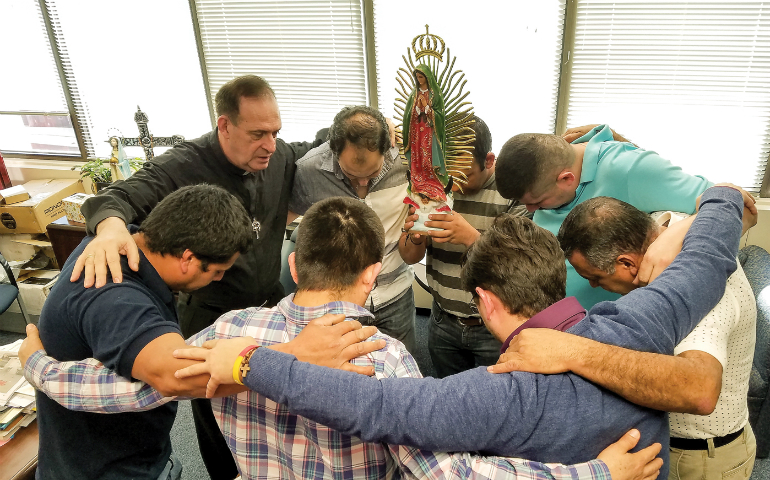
(559, 316)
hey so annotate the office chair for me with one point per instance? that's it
(756, 265)
(10, 291)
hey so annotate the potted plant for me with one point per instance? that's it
(98, 171)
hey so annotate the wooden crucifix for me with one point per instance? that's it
(146, 140)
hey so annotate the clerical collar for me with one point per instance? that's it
(560, 316)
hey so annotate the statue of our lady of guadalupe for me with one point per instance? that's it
(436, 140)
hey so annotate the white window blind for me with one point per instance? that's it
(509, 51)
(311, 52)
(689, 80)
(129, 53)
(34, 117)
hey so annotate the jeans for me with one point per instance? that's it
(396, 320)
(455, 348)
(173, 470)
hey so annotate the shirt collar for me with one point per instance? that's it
(147, 274)
(220, 157)
(302, 315)
(489, 181)
(595, 137)
(560, 316)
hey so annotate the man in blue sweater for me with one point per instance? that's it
(554, 418)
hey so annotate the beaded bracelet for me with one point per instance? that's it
(409, 236)
(238, 367)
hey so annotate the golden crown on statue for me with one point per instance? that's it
(429, 45)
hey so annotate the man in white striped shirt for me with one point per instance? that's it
(457, 338)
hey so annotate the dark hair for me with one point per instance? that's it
(526, 162)
(338, 239)
(205, 219)
(360, 126)
(519, 262)
(483, 143)
(603, 228)
(228, 97)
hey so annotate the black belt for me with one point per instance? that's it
(702, 443)
(469, 321)
(464, 321)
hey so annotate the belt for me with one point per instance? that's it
(464, 321)
(702, 443)
(469, 321)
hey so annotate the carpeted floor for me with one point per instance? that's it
(9, 337)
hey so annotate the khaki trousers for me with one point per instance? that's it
(733, 461)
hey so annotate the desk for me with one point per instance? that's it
(65, 238)
(18, 458)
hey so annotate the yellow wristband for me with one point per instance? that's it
(236, 367)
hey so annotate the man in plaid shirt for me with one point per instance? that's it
(265, 438)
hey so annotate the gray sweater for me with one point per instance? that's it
(549, 418)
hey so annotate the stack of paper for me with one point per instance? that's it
(17, 396)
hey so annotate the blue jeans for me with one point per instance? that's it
(396, 320)
(455, 348)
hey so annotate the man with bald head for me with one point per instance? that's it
(707, 380)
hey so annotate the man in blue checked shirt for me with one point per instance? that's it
(335, 264)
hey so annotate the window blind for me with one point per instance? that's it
(311, 52)
(690, 80)
(34, 117)
(140, 59)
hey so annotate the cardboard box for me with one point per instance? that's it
(14, 195)
(13, 248)
(44, 206)
(72, 206)
(34, 288)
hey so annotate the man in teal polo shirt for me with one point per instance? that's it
(551, 176)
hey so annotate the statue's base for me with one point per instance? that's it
(424, 210)
(419, 224)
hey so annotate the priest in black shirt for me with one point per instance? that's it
(244, 156)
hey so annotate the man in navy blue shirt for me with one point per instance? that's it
(552, 418)
(189, 240)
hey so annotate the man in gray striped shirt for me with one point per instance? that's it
(358, 162)
(457, 338)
